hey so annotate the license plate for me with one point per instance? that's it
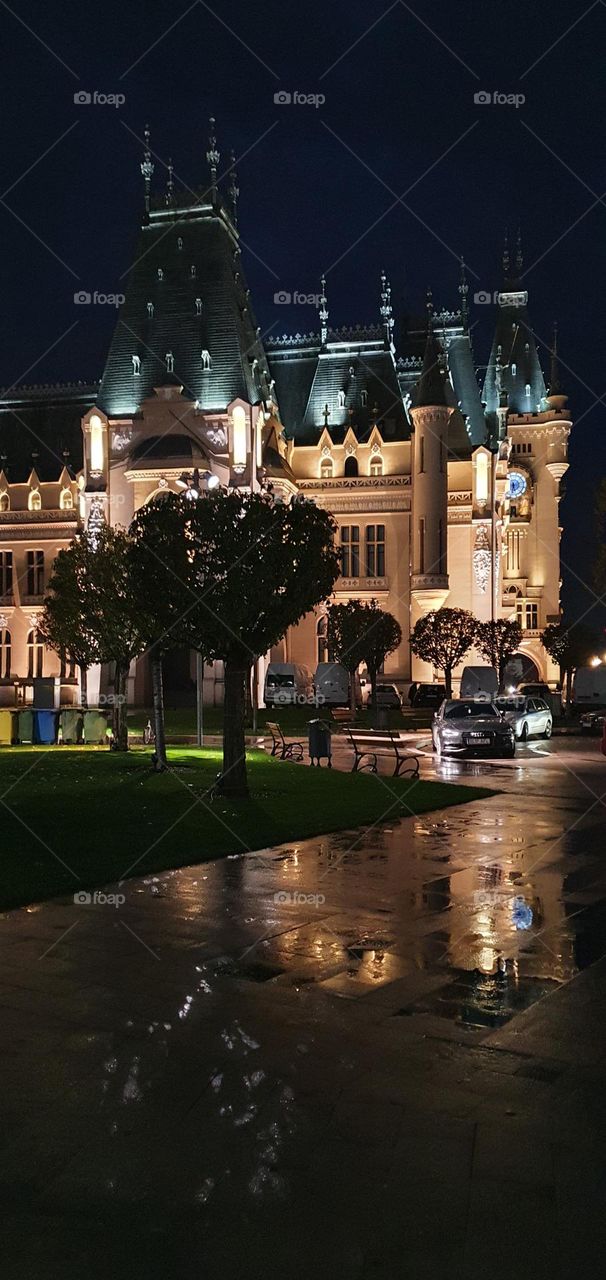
(479, 741)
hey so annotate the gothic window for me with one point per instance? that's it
(35, 573)
(35, 654)
(34, 501)
(364, 396)
(375, 550)
(170, 362)
(326, 469)
(5, 501)
(350, 551)
(192, 272)
(513, 551)
(66, 500)
(160, 273)
(198, 306)
(205, 358)
(150, 309)
(322, 638)
(351, 466)
(376, 466)
(528, 391)
(180, 242)
(136, 365)
(96, 438)
(6, 573)
(5, 654)
(341, 399)
(514, 370)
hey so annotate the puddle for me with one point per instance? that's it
(483, 1000)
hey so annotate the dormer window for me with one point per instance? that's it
(192, 272)
(205, 358)
(66, 500)
(5, 502)
(180, 242)
(170, 362)
(528, 391)
(364, 395)
(150, 309)
(34, 502)
(160, 273)
(326, 469)
(198, 306)
(514, 370)
(136, 365)
(341, 399)
(376, 465)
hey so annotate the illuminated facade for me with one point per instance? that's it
(442, 491)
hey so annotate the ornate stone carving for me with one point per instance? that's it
(217, 436)
(121, 439)
(482, 558)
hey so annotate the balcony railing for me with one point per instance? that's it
(363, 584)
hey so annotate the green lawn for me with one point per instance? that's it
(76, 818)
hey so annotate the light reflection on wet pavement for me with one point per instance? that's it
(321, 1059)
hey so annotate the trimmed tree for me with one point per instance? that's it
(497, 641)
(362, 633)
(443, 637)
(89, 609)
(570, 647)
(247, 568)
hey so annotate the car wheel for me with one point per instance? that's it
(509, 753)
(524, 732)
(548, 731)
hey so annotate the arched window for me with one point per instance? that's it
(239, 437)
(96, 434)
(341, 398)
(376, 466)
(351, 466)
(5, 502)
(322, 638)
(34, 502)
(35, 654)
(66, 500)
(5, 654)
(482, 478)
(326, 469)
(68, 667)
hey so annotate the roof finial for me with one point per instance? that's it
(554, 374)
(169, 197)
(387, 310)
(213, 156)
(323, 312)
(519, 255)
(234, 190)
(464, 290)
(147, 169)
(429, 306)
(506, 253)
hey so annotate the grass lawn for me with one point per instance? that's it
(80, 817)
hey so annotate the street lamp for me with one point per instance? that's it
(197, 485)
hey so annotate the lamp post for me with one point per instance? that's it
(198, 485)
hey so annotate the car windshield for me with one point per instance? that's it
(467, 710)
(275, 680)
(511, 704)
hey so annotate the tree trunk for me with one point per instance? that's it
(83, 686)
(233, 779)
(448, 681)
(119, 717)
(373, 694)
(352, 692)
(160, 761)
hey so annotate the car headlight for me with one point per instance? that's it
(451, 734)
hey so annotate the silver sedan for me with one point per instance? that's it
(527, 716)
(466, 726)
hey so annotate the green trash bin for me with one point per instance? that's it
(95, 728)
(25, 730)
(72, 725)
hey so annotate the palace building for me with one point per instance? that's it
(445, 489)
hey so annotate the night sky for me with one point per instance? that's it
(319, 183)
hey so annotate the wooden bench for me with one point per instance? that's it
(342, 715)
(280, 747)
(364, 741)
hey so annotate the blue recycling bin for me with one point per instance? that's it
(45, 728)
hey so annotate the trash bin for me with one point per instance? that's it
(26, 726)
(6, 728)
(319, 740)
(72, 725)
(45, 731)
(95, 727)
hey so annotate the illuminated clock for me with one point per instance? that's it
(517, 484)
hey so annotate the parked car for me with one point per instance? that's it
(426, 695)
(387, 696)
(467, 726)
(589, 686)
(553, 697)
(331, 684)
(527, 716)
(287, 684)
(479, 682)
(593, 722)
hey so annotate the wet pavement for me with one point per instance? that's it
(370, 1055)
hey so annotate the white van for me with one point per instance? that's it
(288, 684)
(589, 687)
(479, 682)
(331, 684)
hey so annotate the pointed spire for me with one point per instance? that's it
(464, 290)
(147, 169)
(506, 254)
(213, 157)
(554, 374)
(323, 313)
(234, 190)
(519, 255)
(386, 310)
(170, 186)
(431, 389)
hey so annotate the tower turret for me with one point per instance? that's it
(430, 416)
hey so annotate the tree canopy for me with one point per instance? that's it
(362, 633)
(497, 641)
(443, 637)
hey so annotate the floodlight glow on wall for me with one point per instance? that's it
(96, 443)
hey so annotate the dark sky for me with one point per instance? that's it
(319, 184)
